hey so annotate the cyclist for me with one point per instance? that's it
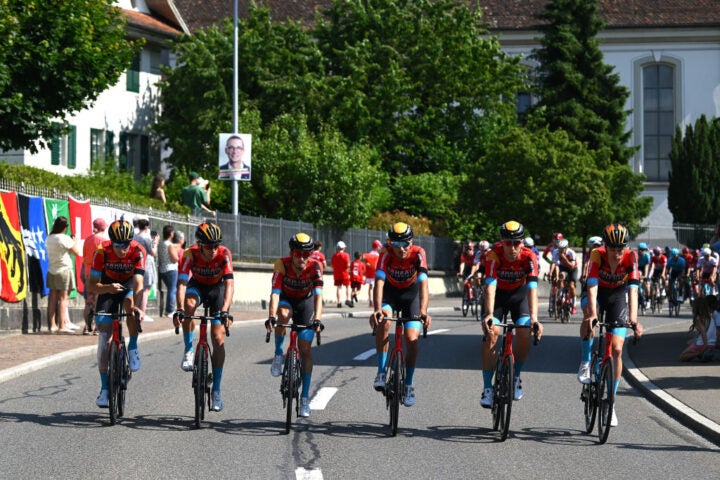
(676, 265)
(644, 262)
(467, 258)
(116, 276)
(690, 263)
(530, 243)
(707, 265)
(401, 281)
(613, 270)
(205, 277)
(547, 253)
(511, 286)
(592, 243)
(565, 267)
(297, 292)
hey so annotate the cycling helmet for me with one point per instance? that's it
(642, 246)
(208, 234)
(512, 230)
(615, 235)
(302, 242)
(674, 252)
(400, 232)
(558, 236)
(121, 231)
(376, 244)
(706, 245)
(563, 243)
(657, 250)
(470, 245)
(596, 242)
(484, 245)
(706, 251)
(529, 242)
(685, 251)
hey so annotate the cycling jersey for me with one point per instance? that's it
(286, 281)
(204, 272)
(676, 265)
(706, 264)
(658, 261)
(111, 268)
(643, 259)
(371, 259)
(599, 272)
(402, 273)
(508, 275)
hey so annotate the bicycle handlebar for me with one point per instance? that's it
(595, 322)
(422, 318)
(180, 317)
(134, 313)
(271, 323)
(535, 328)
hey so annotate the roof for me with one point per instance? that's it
(150, 23)
(498, 14)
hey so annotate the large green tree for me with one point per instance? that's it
(55, 58)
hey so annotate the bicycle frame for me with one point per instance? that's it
(118, 370)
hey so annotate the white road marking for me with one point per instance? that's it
(322, 398)
(302, 474)
(433, 332)
(365, 355)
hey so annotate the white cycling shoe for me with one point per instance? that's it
(276, 367)
(304, 407)
(187, 362)
(103, 400)
(584, 373)
(487, 398)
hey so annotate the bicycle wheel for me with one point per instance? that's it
(474, 303)
(479, 300)
(396, 386)
(113, 375)
(124, 370)
(199, 383)
(507, 388)
(589, 398)
(559, 301)
(606, 399)
(497, 375)
(291, 368)
(465, 301)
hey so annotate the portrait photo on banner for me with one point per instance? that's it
(235, 156)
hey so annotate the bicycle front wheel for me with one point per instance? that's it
(200, 373)
(606, 399)
(291, 369)
(589, 398)
(124, 369)
(506, 394)
(397, 380)
(465, 301)
(113, 381)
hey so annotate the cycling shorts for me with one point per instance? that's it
(513, 301)
(302, 310)
(404, 302)
(212, 296)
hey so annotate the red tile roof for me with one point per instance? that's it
(499, 14)
(150, 23)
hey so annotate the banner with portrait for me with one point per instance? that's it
(235, 156)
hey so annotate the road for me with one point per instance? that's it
(51, 428)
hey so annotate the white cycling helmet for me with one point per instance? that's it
(563, 243)
(706, 251)
(594, 241)
(529, 242)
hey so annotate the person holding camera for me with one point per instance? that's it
(61, 275)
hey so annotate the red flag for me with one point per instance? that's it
(13, 271)
(80, 220)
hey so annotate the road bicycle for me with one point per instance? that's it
(394, 389)
(563, 302)
(673, 298)
(599, 394)
(118, 369)
(479, 302)
(290, 379)
(655, 295)
(642, 300)
(469, 303)
(202, 377)
(504, 375)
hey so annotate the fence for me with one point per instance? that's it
(260, 239)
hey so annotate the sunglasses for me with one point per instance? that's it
(210, 246)
(400, 244)
(299, 254)
(121, 246)
(511, 243)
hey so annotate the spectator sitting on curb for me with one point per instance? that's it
(705, 320)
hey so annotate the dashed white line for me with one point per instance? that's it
(322, 398)
(365, 355)
(302, 474)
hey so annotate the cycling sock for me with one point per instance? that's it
(487, 378)
(217, 376)
(382, 358)
(104, 382)
(409, 372)
(279, 339)
(132, 343)
(188, 338)
(586, 349)
(306, 384)
(518, 368)
(616, 383)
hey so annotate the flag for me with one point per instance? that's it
(55, 208)
(80, 222)
(32, 220)
(13, 270)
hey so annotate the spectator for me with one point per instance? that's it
(149, 240)
(157, 191)
(705, 322)
(370, 259)
(91, 244)
(179, 240)
(61, 275)
(195, 196)
(340, 262)
(318, 255)
(167, 261)
(357, 275)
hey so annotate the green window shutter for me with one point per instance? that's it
(55, 146)
(109, 144)
(72, 147)
(133, 75)
(123, 160)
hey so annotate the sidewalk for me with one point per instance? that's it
(689, 392)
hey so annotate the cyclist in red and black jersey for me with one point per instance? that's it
(401, 280)
(116, 275)
(613, 271)
(297, 293)
(212, 284)
(511, 278)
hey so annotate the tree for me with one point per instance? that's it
(55, 59)
(694, 190)
(578, 92)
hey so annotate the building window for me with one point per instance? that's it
(134, 152)
(133, 75)
(63, 148)
(102, 147)
(658, 90)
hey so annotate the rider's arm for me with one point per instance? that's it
(180, 295)
(490, 289)
(274, 301)
(378, 293)
(424, 297)
(229, 293)
(138, 287)
(318, 306)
